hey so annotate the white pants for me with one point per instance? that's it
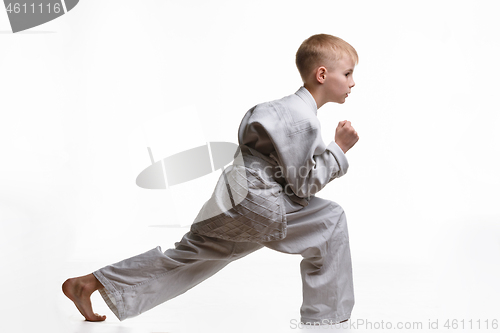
(318, 232)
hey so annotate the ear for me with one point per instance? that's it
(321, 74)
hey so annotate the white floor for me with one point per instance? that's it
(261, 292)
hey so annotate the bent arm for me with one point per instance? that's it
(308, 165)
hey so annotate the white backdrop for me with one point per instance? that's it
(83, 96)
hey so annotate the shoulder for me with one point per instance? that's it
(296, 114)
(290, 113)
(271, 105)
(265, 111)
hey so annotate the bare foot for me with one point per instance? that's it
(79, 290)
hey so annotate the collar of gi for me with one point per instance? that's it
(306, 96)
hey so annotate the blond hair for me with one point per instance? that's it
(318, 50)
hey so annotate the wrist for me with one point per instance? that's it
(340, 157)
(341, 147)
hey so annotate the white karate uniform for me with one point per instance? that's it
(284, 133)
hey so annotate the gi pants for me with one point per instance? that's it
(318, 232)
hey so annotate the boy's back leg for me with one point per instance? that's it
(139, 283)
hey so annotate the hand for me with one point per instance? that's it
(345, 136)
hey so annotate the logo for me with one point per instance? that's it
(26, 14)
(176, 166)
(187, 165)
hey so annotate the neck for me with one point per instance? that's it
(320, 100)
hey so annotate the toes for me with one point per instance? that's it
(98, 317)
(95, 317)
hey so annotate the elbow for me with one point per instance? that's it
(338, 174)
(307, 190)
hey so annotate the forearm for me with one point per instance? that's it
(319, 170)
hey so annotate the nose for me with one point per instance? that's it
(352, 84)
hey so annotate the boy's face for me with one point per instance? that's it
(339, 80)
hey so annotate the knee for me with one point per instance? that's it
(338, 222)
(313, 257)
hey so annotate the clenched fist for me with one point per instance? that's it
(345, 136)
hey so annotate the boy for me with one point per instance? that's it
(284, 215)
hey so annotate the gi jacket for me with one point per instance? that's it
(281, 153)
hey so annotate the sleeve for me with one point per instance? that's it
(307, 164)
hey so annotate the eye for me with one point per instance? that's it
(347, 74)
